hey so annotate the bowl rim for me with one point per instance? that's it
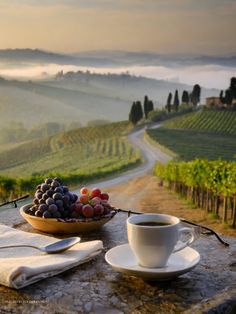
(24, 207)
(23, 213)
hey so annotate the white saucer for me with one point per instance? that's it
(123, 260)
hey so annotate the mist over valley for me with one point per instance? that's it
(39, 87)
(209, 71)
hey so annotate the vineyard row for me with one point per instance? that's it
(212, 121)
(210, 185)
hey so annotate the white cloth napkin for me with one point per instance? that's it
(20, 267)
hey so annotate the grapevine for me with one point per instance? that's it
(209, 184)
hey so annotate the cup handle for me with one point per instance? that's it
(188, 242)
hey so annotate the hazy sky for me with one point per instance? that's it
(173, 26)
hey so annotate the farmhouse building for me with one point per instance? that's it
(213, 101)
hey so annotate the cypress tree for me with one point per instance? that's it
(230, 93)
(168, 103)
(176, 101)
(228, 97)
(150, 106)
(233, 87)
(138, 111)
(185, 97)
(195, 95)
(145, 106)
(132, 115)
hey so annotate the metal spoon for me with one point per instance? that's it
(56, 247)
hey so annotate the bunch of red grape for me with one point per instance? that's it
(92, 203)
(53, 200)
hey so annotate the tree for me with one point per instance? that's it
(176, 101)
(233, 87)
(132, 117)
(145, 106)
(185, 97)
(230, 93)
(228, 97)
(136, 112)
(150, 106)
(168, 103)
(195, 95)
(139, 110)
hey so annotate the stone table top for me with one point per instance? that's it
(95, 287)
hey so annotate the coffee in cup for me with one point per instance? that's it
(153, 238)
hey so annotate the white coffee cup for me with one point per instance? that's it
(153, 244)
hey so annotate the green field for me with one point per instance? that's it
(208, 134)
(91, 150)
(223, 122)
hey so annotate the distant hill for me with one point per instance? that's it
(125, 86)
(115, 58)
(155, 59)
(35, 55)
(33, 103)
(81, 97)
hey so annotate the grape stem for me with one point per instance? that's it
(203, 230)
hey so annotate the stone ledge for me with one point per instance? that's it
(96, 288)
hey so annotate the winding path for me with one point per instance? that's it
(150, 153)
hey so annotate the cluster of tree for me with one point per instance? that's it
(147, 106)
(228, 96)
(192, 98)
(88, 75)
(137, 111)
(175, 105)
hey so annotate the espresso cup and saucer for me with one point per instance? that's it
(153, 238)
(155, 249)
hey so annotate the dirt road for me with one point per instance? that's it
(151, 154)
(139, 190)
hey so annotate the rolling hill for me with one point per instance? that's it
(33, 103)
(80, 96)
(124, 86)
(84, 152)
(34, 55)
(208, 134)
(83, 96)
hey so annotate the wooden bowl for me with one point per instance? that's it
(52, 225)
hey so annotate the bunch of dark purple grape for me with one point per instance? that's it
(52, 200)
